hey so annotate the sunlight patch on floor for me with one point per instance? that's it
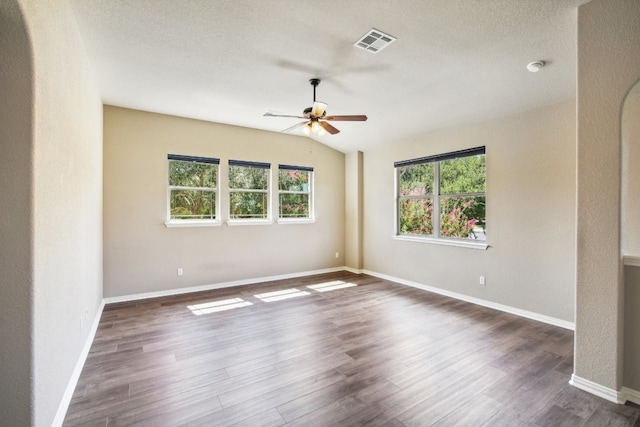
(280, 295)
(330, 286)
(215, 306)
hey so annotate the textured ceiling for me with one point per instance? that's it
(230, 61)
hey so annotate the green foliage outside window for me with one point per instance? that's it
(294, 186)
(248, 192)
(192, 190)
(462, 183)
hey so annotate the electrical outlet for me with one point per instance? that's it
(179, 272)
(337, 254)
(482, 280)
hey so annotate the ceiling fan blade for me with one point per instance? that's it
(327, 126)
(318, 109)
(270, 114)
(296, 126)
(356, 118)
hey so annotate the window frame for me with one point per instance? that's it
(436, 197)
(249, 221)
(193, 222)
(310, 193)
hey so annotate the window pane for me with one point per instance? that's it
(463, 217)
(416, 180)
(294, 206)
(464, 175)
(248, 178)
(189, 174)
(193, 204)
(293, 180)
(416, 216)
(248, 205)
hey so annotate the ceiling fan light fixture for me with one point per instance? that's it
(307, 129)
(315, 127)
(318, 109)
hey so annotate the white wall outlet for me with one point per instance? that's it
(337, 254)
(482, 280)
(179, 272)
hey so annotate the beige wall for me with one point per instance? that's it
(142, 254)
(57, 150)
(608, 67)
(353, 210)
(530, 261)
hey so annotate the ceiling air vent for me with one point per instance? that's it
(374, 41)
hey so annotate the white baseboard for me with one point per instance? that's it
(500, 307)
(221, 285)
(631, 395)
(599, 390)
(75, 376)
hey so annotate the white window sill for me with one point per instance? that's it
(192, 223)
(445, 242)
(236, 222)
(296, 220)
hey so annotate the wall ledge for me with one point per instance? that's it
(631, 260)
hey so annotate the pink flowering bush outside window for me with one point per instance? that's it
(443, 198)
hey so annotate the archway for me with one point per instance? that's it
(630, 239)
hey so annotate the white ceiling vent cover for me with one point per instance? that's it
(374, 41)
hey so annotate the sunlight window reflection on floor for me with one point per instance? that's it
(215, 306)
(330, 286)
(280, 295)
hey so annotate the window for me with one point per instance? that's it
(248, 190)
(193, 188)
(443, 196)
(294, 186)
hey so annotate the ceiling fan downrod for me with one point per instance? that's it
(314, 83)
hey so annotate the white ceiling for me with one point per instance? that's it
(230, 61)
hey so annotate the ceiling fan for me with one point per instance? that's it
(316, 119)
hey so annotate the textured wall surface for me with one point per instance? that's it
(66, 179)
(16, 210)
(143, 255)
(608, 66)
(530, 214)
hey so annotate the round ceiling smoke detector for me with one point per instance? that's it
(535, 66)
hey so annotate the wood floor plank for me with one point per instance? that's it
(375, 354)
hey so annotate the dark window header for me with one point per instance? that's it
(439, 157)
(194, 159)
(249, 164)
(296, 168)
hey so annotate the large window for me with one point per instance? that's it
(443, 196)
(295, 192)
(193, 188)
(248, 190)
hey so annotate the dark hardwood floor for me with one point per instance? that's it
(378, 354)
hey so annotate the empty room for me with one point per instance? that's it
(264, 213)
